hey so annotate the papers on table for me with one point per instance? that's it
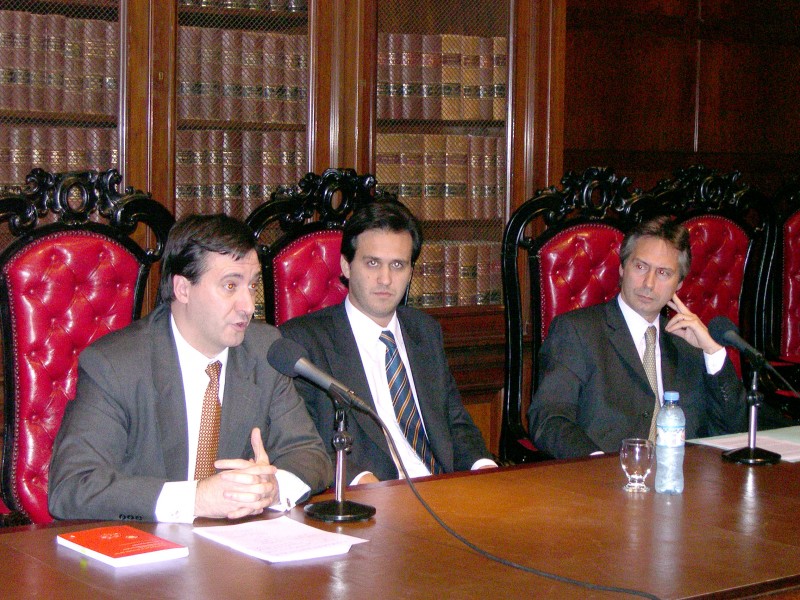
(279, 540)
(784, 441)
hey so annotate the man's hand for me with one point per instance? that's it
(241, 488)
(688, 325)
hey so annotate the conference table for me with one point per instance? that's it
(734, 532)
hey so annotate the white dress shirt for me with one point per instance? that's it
(373, 358)
(176, 500)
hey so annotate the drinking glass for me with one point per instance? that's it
(636, 457)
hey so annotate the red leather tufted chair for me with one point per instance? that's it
(64, 282)
(570, 240)
(300, 233)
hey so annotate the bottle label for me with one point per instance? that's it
(670, 437)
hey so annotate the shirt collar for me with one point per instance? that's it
(637, 324)
(366, 331)
(190, 357)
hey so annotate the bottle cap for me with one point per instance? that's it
(671, 396)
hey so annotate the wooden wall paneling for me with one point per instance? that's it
(323, 67)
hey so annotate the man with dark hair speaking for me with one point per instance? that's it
(179, 415)
(392, 356)
(604, 368)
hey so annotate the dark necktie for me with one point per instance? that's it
(404, 406)
(208, 443)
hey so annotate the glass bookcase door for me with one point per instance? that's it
(441, 133)
(242, 102)
(59, 87)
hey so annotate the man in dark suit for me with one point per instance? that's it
(133, 443)
(380, 244)
(594, 389)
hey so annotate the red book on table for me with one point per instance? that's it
(122, 545)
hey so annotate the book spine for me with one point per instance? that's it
(6, 184)
(434, 176)
(431, 77)
(482, 274)
(231, 74)
(55, 63)
(489, 192)
(188, 72)
(38, 62)
(94, 65)
(294, 63)
(232, 173)
(451, 273)
(302, 91)
(210, 73)
(186, 191)
(451, 77)
(455, 193)
(470, 78)
(7, 65)
(411, 171)
(467, 274)
(76, 149)
(270, 162)
(212, 158)
(20, 154)
(382, 78)
(251, 171)
(499, 77)
(395, 55)
(300, 143)
(57, 142)
(387, 163)
(251, 76)
(495, 274)
(21, 60)
(39, 140)
(73, 66)
(486, 78)
(288, 159)
(272, 81)
(412, 76)
(430, 268)
(476, 177)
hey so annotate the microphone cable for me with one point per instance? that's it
(474, 547)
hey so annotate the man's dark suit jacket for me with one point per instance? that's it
(125, 434)
(593, 391)
(326, 334)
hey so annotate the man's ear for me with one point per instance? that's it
(180, 288)
(345, 266)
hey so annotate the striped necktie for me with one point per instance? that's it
(649, 362)
(404, 406)
(208, 443)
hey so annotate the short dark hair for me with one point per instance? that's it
(387, 215)
(192, 238)
(664, 228)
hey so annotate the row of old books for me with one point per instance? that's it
(277, 5)
(54, 149)
(456, 273)
(441, 76)
(52, 63)
(234, 171)
(242, 75)
(444, 177)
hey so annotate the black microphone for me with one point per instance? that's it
(291, 359)
(724, 332)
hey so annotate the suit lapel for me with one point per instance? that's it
(351, 372)
(622, 341)
(238, 404)
(170, 398)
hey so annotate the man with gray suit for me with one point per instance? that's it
(392, 356)
(594, 388)
(159, 401)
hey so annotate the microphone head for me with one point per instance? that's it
(719, 327)
(284, 354)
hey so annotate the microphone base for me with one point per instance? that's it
(752, 456)
(339, 510)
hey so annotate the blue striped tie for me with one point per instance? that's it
(404, 406)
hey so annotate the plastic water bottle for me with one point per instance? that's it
(670, 440)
